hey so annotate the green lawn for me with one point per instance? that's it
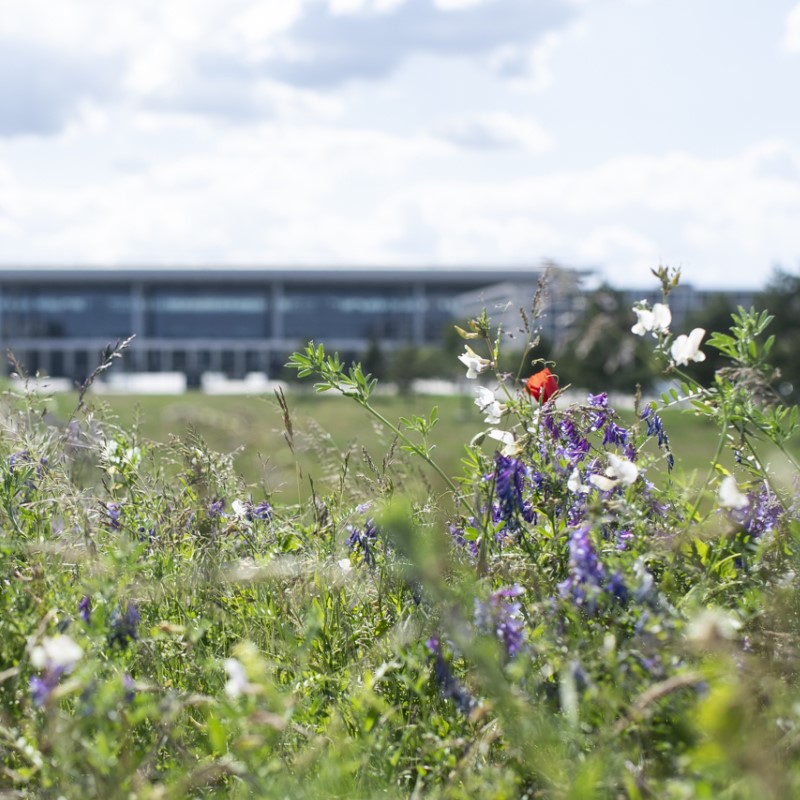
(326, 428)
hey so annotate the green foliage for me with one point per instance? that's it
(782, 297)
(568, 618)
(601, 352)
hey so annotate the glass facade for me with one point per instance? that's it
(236, 323)
(384, 313)
(211, 312)
(65, 312)
(441, 310)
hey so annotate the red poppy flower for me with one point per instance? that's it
(542, 386)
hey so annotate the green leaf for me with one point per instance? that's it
(216, 735)
(702, 548)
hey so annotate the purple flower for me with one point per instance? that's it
(597, 419)
(129, 687)
(263, 510)
(655, 427)
(503, 617)
(457, 532)
(761, 514)
(509, 475)
(124, 626)
(572, 445)
(215, 509)
(450, 686)
(598, 400)
(18, 459)
(146, 535)
(623, 537)
(42, 686)
(615, 434)
(616, 587)
(113, 511)
(586, 572)
(364, 540)
(85, 608)
(549, 423)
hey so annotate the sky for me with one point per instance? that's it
(609, 135)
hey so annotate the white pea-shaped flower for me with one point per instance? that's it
(729, 494)
(473, 362)
(653, 321)
(687, 348)
(487, 402)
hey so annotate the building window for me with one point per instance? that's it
(347, 313)
(209, 313)
(65, 312)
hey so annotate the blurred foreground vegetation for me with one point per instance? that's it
(233, 597)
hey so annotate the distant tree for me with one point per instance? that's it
(781, 297)
(716, 316)
(410, 362)
(375, 361)
(602, 354)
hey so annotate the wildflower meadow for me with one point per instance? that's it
(572, 616)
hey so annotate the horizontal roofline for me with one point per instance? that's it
(375, 275)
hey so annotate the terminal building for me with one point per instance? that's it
(234, 321)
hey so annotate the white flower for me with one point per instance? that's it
(602, 483)
(729, 494)
(489, 405)
(655, 321)
(56, 651)
(344, 564)
(507, 438)
(712, 625)
(240, 508)
(473, 362)
(621, 468)
(237, 683)
(687, 348)
(575, 484)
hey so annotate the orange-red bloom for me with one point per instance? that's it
(542, 386)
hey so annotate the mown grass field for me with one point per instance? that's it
(326, 428)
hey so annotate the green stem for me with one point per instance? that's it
(712, 467)
(420, 451)
(762, 470)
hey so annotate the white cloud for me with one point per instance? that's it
(211, 58)
(791, 36)
(453, 5)
(336, 44)
(364, 6)
(617, 244)
(288, 131)
(530, 66)
(305, 194)
(496, 130)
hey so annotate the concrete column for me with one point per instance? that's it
(138, 311)
(69, 363)
(276, 303)
(418, 319)
(216, 360)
